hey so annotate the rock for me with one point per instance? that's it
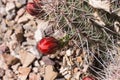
(29, 34)
(53, 56)
(0, 2)
(20, 37)
(23, 73)
(9, 73)
(47, 61)
(42, 70)
(10, 6)
(22, 1)
(4, 1)
(15, 67)
(34, 76)
(7, 35)
(62, 70)
(30, 26)
(36, 63)
(76, 76)
(29, 16)
(38, 35)
(18, 5)
(4, 26)
(11, 15)
(2, 11)
(12, 79)
(35, 52)
(27, 26)
(85, 68)
(78, 52)
(35, 69)
(10, 23)
(13, 46)
(42, 63)
(69, 52)
(5, 77)
(20, 12)
(49, 73)
(2, 72)
(33, 24)
(3, 65)
(62, 53)
(18, 28)
(3, 47)
(61, 79)
(26, 58)
(67, 76)
(66, 72)
(79, 59)
(10, 60)
(41, 28)
(23, 19)
(1, 18)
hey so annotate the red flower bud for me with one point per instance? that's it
(88, 78)
(47, 45)
(32, 9)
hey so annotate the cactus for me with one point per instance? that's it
(92, 27)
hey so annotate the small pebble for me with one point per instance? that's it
(77, 52)
(20, 12)
(23, 19)
(47, 61)
(68, 76)
(2, 72)
(35, 69)
(22, 1)
(4, 26)
(11, 15)
(4, 1)
(42, 63)
(2, 11)
(69, 52)
(36, 63)
(15, 67)
(10, 6)
(0, 2)
(9, 73)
